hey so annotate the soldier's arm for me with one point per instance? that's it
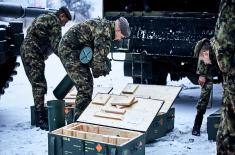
(41, 27)
(225, 61)
(102, 45)
(55, 36)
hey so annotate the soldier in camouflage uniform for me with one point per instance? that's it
(97, 34)
(206, 68)
(225, 55)
(42, 39)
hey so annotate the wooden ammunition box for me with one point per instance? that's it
(88, 139)
(213, 121)
(164, 122)
(107, 133)
(110, 127)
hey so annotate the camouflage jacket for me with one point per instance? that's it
(224, 36)
(45, 33)
(96, 33)
(208, 70)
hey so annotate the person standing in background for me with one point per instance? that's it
(207, 68)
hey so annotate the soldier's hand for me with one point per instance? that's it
(201, 80)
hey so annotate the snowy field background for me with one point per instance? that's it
(18, 137)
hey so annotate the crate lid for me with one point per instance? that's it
(131, 112)
(160, 92)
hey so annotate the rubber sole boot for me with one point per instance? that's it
(197, 125)
(41, 120)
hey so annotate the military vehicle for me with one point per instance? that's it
(11, 37)
(163, 36)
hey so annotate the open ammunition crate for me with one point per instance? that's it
(100, 132)
(164, 122)
(112, 125)
(88, 139)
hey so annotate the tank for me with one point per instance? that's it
(11, 37)
(163, 36)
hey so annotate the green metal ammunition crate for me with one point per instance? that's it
(213, 121)
(60, 144)
(91, 135)
(161, 125)
(150, 117)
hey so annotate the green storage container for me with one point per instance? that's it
(161, 125)
(33, 117)
(154, 118)
(164, 122)
(67, 140)
(63, 88)
(60, 144)
(55, 114)
(213, 121)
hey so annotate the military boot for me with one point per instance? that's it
(41, 120)
(197, 124)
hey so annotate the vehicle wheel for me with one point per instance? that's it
(7, 70)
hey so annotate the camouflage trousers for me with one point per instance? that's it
(204, 97)
(80, 74)
(226, 132)
(34, 67)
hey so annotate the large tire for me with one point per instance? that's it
(7, 71)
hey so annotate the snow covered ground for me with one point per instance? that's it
(18, 137)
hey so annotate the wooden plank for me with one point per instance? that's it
(67, 132)
(160, 92)
(114, 110)
(130, 89)
(122, 100)
(108, 115)
(125, 106)
(140, 114)
(94, 137)
(121, 140)
(113, 140)
(79, 134)
(101, 99)
(103, 90)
